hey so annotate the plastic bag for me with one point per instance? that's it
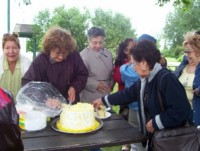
(10, 135)
(36, 94)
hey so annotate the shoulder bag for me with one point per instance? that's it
(186, 138)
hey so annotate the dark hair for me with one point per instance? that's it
(95, 32)
(197, 32)
(146, 50)
(121, 56)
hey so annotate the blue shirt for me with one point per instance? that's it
(129, 76)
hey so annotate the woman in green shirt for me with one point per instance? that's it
(12, 64)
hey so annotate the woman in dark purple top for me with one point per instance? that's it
(59, 64)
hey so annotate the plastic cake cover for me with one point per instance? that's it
(35, 94)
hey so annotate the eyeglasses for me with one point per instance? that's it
(188, 51)
(6, 35)
(60, 53)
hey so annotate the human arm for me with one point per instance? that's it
(80, 73)
(122, 97)
(35, 71)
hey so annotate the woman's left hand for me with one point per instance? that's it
(71, 94)
(149, 126)
(53, 103)
(196, 91)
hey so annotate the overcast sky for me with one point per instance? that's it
(146, 17)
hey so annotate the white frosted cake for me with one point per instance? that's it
(77, 118)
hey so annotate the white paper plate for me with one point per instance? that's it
(108, 114)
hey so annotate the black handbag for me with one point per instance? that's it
(10, 135)
(186, 138)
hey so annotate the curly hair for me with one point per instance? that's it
(10, 37)
(57, 37)
(193, 39)
(146, 50)
(121, 56)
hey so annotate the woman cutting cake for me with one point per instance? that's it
(59, 64)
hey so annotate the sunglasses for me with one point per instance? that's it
(6, 35)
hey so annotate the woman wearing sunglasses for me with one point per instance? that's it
(12, 64)
(189, 72)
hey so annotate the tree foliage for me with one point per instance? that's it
(180, 3)
(178, 23)
(117, 26)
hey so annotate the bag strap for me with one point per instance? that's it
(160, 100)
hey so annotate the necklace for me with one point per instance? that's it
(185, 82)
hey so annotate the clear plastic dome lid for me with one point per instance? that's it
(42, 96)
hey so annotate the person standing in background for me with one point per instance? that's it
(123, 57)
(129, 76)
(59, 64)
(163, 60)
(188, 72)
(99, 63)
(12, 64)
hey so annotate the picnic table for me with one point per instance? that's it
(115, 131)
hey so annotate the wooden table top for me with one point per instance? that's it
(115, 131)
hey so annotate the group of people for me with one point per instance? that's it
(89, 76)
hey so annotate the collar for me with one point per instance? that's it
(157, 67)
(97, 54)
(6, 66)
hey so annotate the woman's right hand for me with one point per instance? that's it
(97, 103)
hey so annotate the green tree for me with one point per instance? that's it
(117, 26)
(178, 23)
(71, 19)
(180, 3)
(43, 18)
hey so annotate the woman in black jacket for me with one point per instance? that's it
(153, 79)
